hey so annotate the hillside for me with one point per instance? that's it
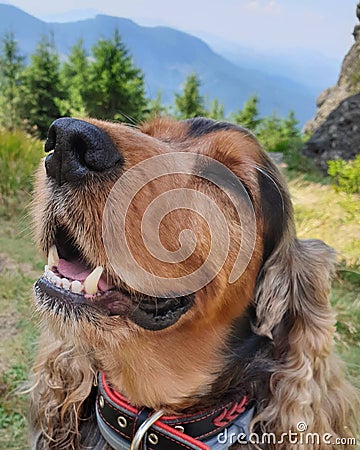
(166, 57)
(334, 130)
(348, 83)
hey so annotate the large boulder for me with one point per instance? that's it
(338, 136)
(348, 83)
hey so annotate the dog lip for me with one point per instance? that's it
(61, 290)
(162, 313)
(112, 302)
(150, 313)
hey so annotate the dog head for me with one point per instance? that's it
(173, 266)
(166, 241)
(157, 226)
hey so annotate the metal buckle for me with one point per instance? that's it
(144, 427)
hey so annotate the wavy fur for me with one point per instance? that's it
(293, 373)
(308, 384)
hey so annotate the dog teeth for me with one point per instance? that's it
(57, 281)
(92, 280)
(53, 257)
(52, 276)
(65, 283)
(89, 286)
(76, 287)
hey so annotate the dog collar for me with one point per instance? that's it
(125, 427)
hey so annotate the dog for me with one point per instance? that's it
(224, 338)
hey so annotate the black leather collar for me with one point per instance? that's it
(119, 421)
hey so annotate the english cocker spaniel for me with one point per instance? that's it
(178, 309)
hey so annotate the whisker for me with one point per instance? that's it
(131, 120)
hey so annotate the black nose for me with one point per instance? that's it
(78, 148)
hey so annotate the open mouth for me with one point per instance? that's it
(74, 276)
(69, 284)
(73, 283)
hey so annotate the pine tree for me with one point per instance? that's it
(269, 132)
(75, 80)
(156, 108)
(190, 103)
(42, 89)
(116, 86)
(248, 117)
(216, 111)
(11, 78)
(276, 134)
(290, 126)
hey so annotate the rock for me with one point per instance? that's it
(346, 86)
(338, 136)
(335, 128)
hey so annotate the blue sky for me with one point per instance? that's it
(323, 26)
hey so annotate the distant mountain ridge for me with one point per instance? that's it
(166, 57)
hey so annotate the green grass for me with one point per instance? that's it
(346, 302)
(321, 212)
(19, 267)
(18, 147)
(13, 408)
(332, 216)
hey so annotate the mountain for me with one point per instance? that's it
(166, 57)
(335, 128)
(71, 16)
(303, 65)
(348, 83)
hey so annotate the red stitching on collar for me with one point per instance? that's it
(236, 408)
(229, 412)
(229, 415)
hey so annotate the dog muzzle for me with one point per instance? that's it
(125, 427)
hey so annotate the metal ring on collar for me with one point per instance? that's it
(144, 427)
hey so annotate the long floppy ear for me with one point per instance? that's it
(62, 399)
(308, 385)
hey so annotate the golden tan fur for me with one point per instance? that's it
(180, 364)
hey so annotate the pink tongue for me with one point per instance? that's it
(77, 271)
(74, 270)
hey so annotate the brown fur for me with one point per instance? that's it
(179, 367)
